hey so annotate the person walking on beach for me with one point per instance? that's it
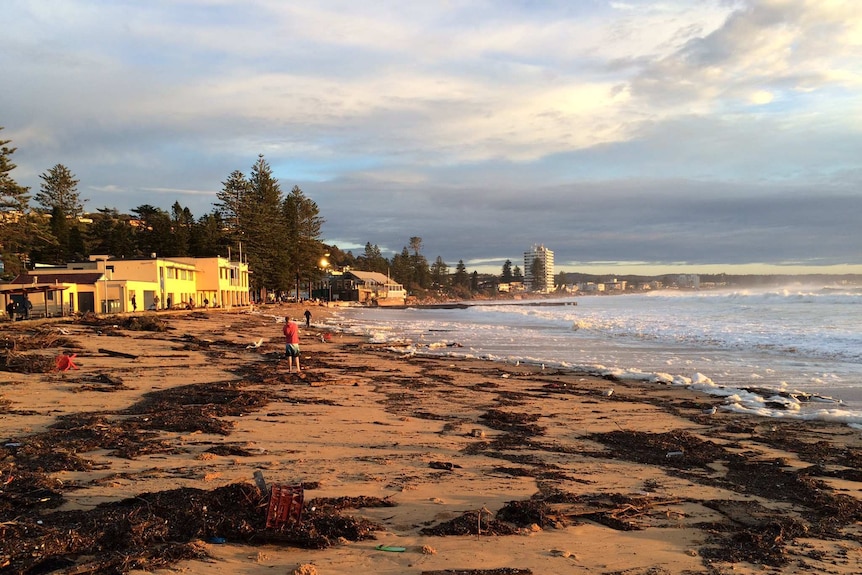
(10, 310)
(134, 304)
(307, 318)
(291, 348)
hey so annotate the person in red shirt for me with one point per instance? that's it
(291, 348)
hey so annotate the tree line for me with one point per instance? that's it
(278, 234)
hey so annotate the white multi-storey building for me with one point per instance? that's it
(545, 258)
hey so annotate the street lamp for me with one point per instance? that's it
(325, 265)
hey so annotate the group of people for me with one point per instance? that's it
(155, 304)
(21, 312)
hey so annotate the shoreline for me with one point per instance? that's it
(584, 481)
(758, 388)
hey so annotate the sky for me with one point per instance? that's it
(626, 136)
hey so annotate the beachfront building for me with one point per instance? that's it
(371, 288)
(688, 281)
(108, 285)
(156, 283)
(539, 269)
(220, 281)
(52, 294)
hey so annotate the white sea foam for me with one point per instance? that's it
(731, 344)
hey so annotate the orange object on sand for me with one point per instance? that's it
(285, 505)
(66, 362)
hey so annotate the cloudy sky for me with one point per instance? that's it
(628, 136)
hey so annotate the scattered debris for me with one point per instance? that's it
(447, 465)
(285, 506)
(499, 571)
(154, 530)
(113, 353)
(66, 362)
(391, 548)
(145, 322)
(471, 523)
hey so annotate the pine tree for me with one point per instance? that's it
(537, 272)
(181, 224)
(231, 204)
(507, 276)
(208, 238)
(372, 260)
(439, 273)
(58, 195)
(59, 190)
(111, 234)
(303, 223)
(402, 271)
(14, 221)
(154, 234)
(461, 279)
(420, 276)
(263, 229)
(562, 280)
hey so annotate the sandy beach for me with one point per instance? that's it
(142, 455)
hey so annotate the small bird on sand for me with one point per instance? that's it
(255, 345)
(608, 392)
(710, 411)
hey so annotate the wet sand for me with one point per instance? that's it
(484, 467)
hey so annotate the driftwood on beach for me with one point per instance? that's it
(761, 493)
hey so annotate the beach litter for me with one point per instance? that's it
(65, 362)
(391, 548)
(285, 506)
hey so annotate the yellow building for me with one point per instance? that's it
(223, 283)
(106, 285)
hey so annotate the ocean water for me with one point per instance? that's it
(789, 353)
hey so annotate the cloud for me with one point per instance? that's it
(630, 131)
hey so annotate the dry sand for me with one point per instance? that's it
(638, 482)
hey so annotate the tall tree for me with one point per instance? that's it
(14, 221)
(506, 276)
(537, 271)
(303, 224)
(59, 190)
(461, 279)
(232, 203)
(439, 273)
(421, 275)
(372, 260)
(263, 229)
(208, 238)
(182, 222)
(517, 275)
(58, 195)
(111, 234)
(153, 233)
(402, 270)
(562, 280)
(339, 258)
(416, 245)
